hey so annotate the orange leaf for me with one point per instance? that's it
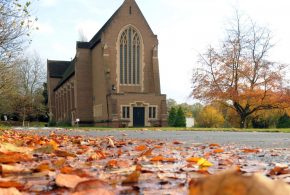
(66, 170)
(112, 163)
(9, 184)
(214, 145)
(147, 152)
(163, 159)
(132, 178)
(193, 159)
(53, 144)
(43, 167)
(13, 157)
(141, 148)
(98, 155)
(158, 146)
(219, 150)
(119, 152)
(247, 150)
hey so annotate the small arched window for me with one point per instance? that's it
(130, 59)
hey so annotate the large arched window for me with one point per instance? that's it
(130, 59)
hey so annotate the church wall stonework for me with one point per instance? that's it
(98, 95)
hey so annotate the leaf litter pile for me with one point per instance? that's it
(62, 164)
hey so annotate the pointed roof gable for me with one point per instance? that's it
(97, 38)
(66, 69)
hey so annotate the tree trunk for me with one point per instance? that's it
(243, 122)
(23, 118)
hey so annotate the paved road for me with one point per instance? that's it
(247, 139)
(279, 143)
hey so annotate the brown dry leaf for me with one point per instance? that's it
(14, 157)
(62, 153)
(111, 142)
(279, 171)
(147, 152)
(233, 183)
(214, 145)
(112, 163)
(100, 191)
(141, 148)
(13, 169)
(9, 191)
(248, 150)
(133, 177)
(8, 147)
(91, 184)
(177, 142)
(68, 181)
(47, 149)
(11, 184)
(98, 155)
(58, 163)
(43, 167)
(71, 171)
(66, 170)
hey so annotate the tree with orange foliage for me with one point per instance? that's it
(238, 75)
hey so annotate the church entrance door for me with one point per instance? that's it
(138, 116)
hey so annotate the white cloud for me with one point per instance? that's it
(48, 3)
(88, 27)
(45, 28)
(61, 50)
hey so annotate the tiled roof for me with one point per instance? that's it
(97, 38)
(70, 71)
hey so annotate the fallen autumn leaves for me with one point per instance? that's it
(61, 164)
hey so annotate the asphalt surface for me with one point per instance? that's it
(277, 143)
(241, 139)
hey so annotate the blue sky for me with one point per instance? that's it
(184, 28)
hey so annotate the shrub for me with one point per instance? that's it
(210, 117)
(284, 121)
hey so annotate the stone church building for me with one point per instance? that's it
(113, 79)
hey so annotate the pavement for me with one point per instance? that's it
(241, 139)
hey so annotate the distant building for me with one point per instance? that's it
(113, 79)
(189, 122)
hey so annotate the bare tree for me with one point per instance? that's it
(15, 24)
(238, 74)
(31, 76)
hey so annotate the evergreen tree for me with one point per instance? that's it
(172, 116)
(180, 120)
(284, 121)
